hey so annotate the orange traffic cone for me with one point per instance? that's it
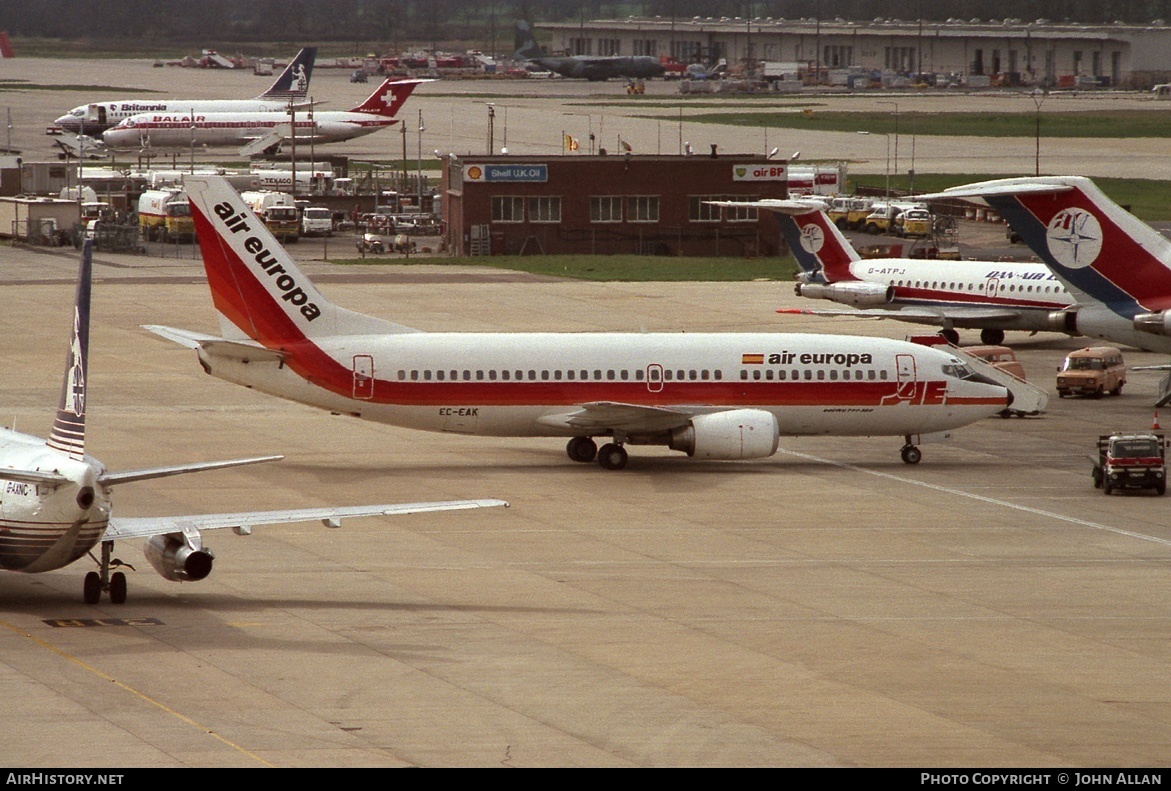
(1155, 426)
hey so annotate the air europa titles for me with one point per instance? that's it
(236, 221)
(848, 359)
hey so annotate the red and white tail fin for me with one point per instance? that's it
(1100, 251)
(816, 243)
(258, 291)
(389, 97)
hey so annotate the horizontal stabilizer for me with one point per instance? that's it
(789, 206)
(999, 188)
(218, 347)
(113, 478)
(144, 527)
(36, 477)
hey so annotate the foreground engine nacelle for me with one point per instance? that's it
(1154, 323)
(737, 434)
(1063, 321)
(856, 293)
(176, 561)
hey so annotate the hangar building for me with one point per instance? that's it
(606, 204)
(1008, 51)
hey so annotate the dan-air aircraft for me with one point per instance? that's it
(594, 68)
(260, 131)
(55, 499)
(711, 396)
(291, 87)
(1117, 267)
(987, 295)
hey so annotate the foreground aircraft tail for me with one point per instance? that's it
(259, 292)
(68, 433)
(293, 83)
(1100, 251)
(390, 96)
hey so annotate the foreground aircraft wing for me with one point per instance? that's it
(921, 315)
(601, 415)
(145, 527)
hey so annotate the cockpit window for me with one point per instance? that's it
(959, 370)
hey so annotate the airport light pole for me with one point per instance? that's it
(491, 129)
(896, 106)
(1038, 95)
(419, 182)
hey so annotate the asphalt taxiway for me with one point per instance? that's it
(830, 606)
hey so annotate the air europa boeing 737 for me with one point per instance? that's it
(55, 499)
(712, 396)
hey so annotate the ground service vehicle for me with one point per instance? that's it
(278, 212)
(165, 214)
(316, 221)
(1092, 371)
(1135, 460)
(849, 213)
(1000, 357)
(913, 222)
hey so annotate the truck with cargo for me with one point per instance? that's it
(165, 215)
(278, 212)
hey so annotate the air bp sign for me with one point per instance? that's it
(765, 172)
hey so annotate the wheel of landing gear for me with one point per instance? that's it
(582, 449)
(92, 588)
(118, 588)
(951, 336)
(612, 457)
(911, 454)
(992, 337)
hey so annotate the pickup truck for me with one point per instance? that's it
(1132, 460)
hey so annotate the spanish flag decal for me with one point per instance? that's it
(752, 359)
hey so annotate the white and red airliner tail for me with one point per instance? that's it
(57, 499)
(389, 97)
(713, 396)
(1117, 267)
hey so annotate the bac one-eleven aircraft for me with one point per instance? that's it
(712, 396)
(55, 499)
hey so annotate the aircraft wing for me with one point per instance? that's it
(121, 528)
(921, 315)
(600, 415)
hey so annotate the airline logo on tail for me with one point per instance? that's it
(239, 220)
(1074, 237)
(68, 432)
(818, 245)
(389, 97)
(293, 83)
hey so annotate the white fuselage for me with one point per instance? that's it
(1030, 290)
(527, 384)
(45, 527)
(226, 129)
(93, 119)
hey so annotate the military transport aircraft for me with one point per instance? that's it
(55, 503)
(990, 296)
(712, 396)
(594, 68)
(260, 131)
(292, 86)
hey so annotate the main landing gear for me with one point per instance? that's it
(910, 453)
(611, 456)
(97, 582)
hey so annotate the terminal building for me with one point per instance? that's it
(993, 52)
(607, 204)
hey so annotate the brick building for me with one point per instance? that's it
(606, 204)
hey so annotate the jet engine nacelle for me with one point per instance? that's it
(737, 434)
(1064, 321)
(856, 293)
(176, 561)
(1154, 323)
